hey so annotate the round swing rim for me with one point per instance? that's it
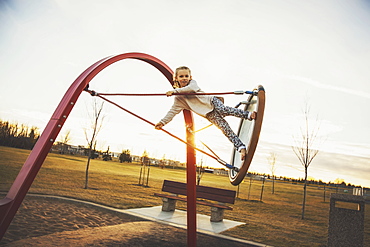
(251, 147)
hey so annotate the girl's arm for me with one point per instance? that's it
(175, 109)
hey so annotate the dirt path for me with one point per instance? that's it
(44, 221)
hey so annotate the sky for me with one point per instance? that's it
(312, 52)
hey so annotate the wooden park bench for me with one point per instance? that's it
(218, 197)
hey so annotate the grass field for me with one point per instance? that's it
(274, 221)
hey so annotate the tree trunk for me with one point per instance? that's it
(262, 187)
(304, 193)
(250, 185)
(87, 171)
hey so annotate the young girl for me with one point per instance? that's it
(206, 106)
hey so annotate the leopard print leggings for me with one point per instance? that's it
(217, 118)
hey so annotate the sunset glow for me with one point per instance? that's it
(299, 54)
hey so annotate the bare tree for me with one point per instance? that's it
(92, 133)
(163, 162)
(200, 172)
(272, 161)
(64, 141)
(66, 137)
(304, 148)
(125, 156)
(145, 169)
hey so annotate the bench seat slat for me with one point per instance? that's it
(204, 192)
(215, 197)
(221, 195)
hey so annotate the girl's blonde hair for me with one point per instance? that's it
(175, 82)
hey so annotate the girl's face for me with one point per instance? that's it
(183, 77)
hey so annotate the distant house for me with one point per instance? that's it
(69, 149)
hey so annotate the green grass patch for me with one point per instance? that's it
(274, 221)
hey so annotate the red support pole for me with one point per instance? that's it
(191, 181)
(10, 204)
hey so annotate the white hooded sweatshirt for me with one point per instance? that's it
(200, 104)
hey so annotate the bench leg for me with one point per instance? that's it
(168, 204)
(217, 214)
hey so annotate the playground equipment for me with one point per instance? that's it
(10, 204)
(248, 132)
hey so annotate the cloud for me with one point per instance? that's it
(321, 85)
(326, 166)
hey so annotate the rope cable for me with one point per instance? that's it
(214, 156)
(163, 94)
(160, 94)
(209, 125)
(167, 132)
(219, 160)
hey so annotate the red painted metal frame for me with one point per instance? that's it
(10, 204)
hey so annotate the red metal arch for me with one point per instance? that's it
(10, 204)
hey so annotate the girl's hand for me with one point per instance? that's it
(169, 93)
(158, 126)
(243, 154)
(254, 115)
